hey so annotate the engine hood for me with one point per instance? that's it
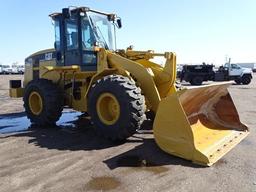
(247, 70)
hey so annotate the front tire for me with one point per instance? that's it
(246, 80)
(116, 106)
(43, 102)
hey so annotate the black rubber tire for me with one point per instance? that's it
(246, 80)
(52, 99)
(150, 115)
(132, 107)
(238, 81)
(196, 81)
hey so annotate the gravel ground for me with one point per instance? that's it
(71, 157)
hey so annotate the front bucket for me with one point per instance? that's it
(199, 124)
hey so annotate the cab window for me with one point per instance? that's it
(234, 66)
(57, 35)
(88, 39)
(72, 34)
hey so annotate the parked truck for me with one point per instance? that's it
(7, 69)
(196, 74)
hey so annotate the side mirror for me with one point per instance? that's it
(58, 56)
(55, 45)
(119, 23)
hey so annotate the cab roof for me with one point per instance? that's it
(82, 9)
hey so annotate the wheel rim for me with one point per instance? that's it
(108, 108)
(35, 103)
(246, 81)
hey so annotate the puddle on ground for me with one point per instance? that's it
(10, 124)
(140, 164)
(104, 183)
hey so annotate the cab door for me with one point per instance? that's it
(89, 55)
(235, 70)
(72, 52)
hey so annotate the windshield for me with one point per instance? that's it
(103, 29)
(235, 66)
(226, 65)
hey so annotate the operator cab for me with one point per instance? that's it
(78, 34)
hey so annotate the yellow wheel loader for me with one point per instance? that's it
(85, 72)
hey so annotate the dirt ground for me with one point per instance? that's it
(71, 157)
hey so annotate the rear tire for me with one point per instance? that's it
(129, 107)
(43, 102)
(238, 81)
(246, 80)
(196, 81)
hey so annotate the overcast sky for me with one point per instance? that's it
(198, 31)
